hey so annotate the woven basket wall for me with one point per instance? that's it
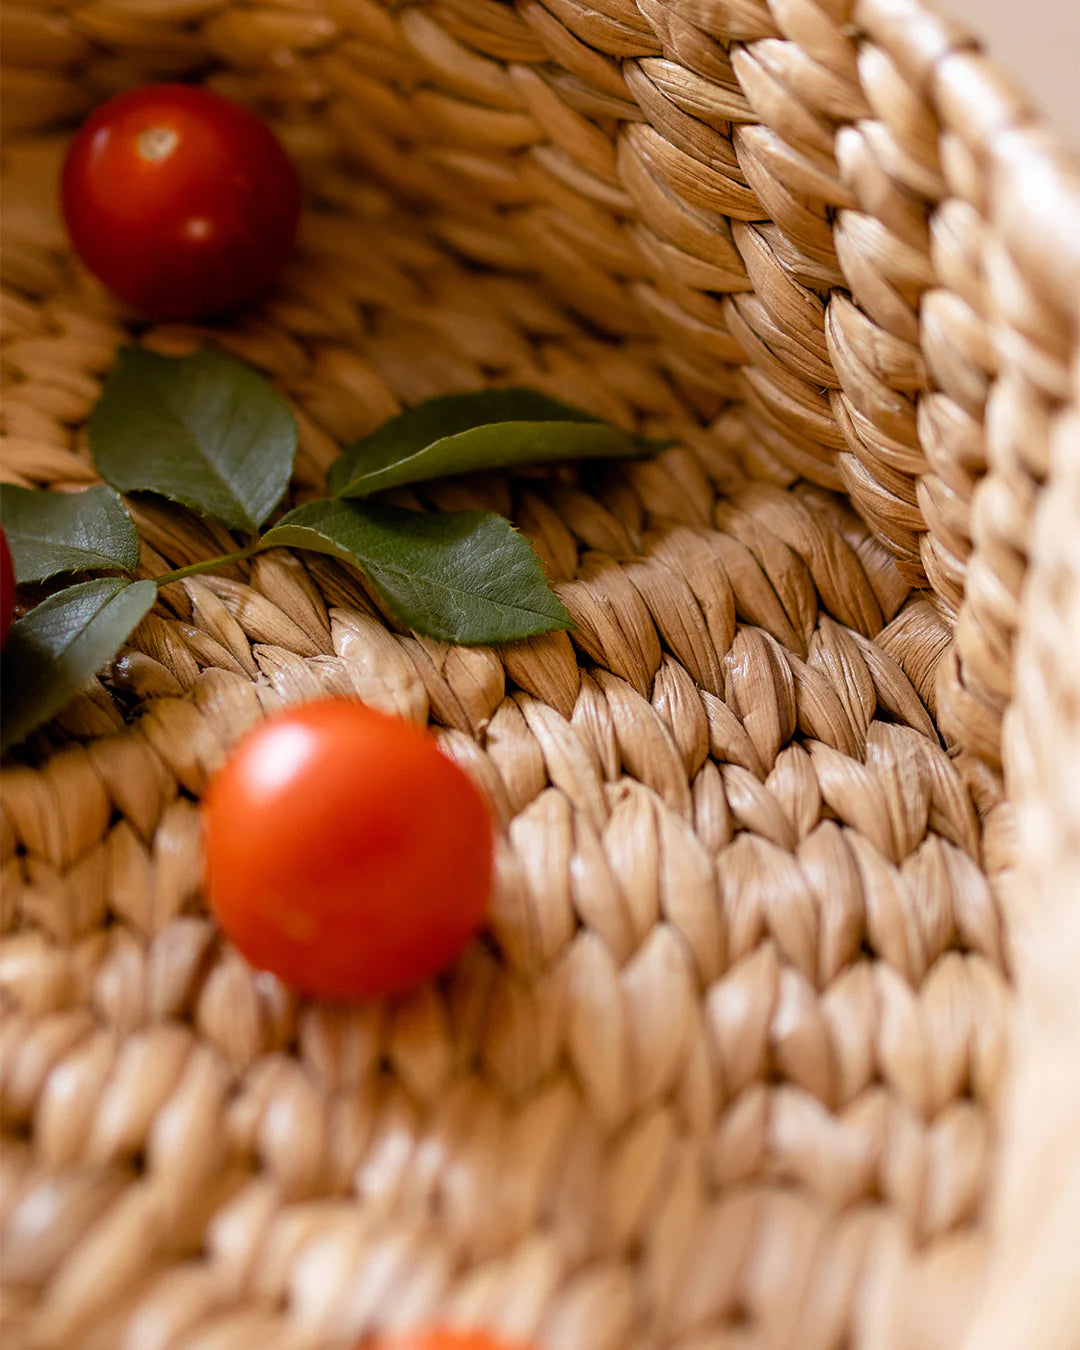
(775, 1037)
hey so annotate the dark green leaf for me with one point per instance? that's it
(459, 576)
(52, 652)
(465, 432)
(51, 532)
(203, 430)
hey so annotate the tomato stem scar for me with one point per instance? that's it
(157, 143)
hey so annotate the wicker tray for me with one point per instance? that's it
(730, 1068)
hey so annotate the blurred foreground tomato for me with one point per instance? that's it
(444, 1340)
(183, 203)
(345, 853)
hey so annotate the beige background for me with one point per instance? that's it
(1038, 42)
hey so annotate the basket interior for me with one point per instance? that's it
(723, 1072)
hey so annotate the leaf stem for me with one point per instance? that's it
(208, 565)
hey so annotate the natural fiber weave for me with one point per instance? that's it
(729, 1071)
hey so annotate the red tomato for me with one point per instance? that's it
(345, 853)
(445, 1340)
(180, 201)
(7, 588)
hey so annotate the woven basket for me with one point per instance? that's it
(730, 1069)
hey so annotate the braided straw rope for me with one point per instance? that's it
(729, 1071)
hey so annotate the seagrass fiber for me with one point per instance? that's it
(772, 1040)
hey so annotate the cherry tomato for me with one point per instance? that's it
(445, 1340)
(345, 853)
(7, 588)
(180, 201)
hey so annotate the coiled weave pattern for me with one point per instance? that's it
(729, 1071)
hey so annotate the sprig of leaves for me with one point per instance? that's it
(208, 432)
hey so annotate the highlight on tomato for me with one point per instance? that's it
(182, 202)
(345, 853)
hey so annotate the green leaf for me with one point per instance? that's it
(464, 432)
(52, 652)
(203, 430)
(51, 532)
(459, 576)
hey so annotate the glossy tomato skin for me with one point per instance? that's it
(7, 588)
(183, 203)
(345, 853)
